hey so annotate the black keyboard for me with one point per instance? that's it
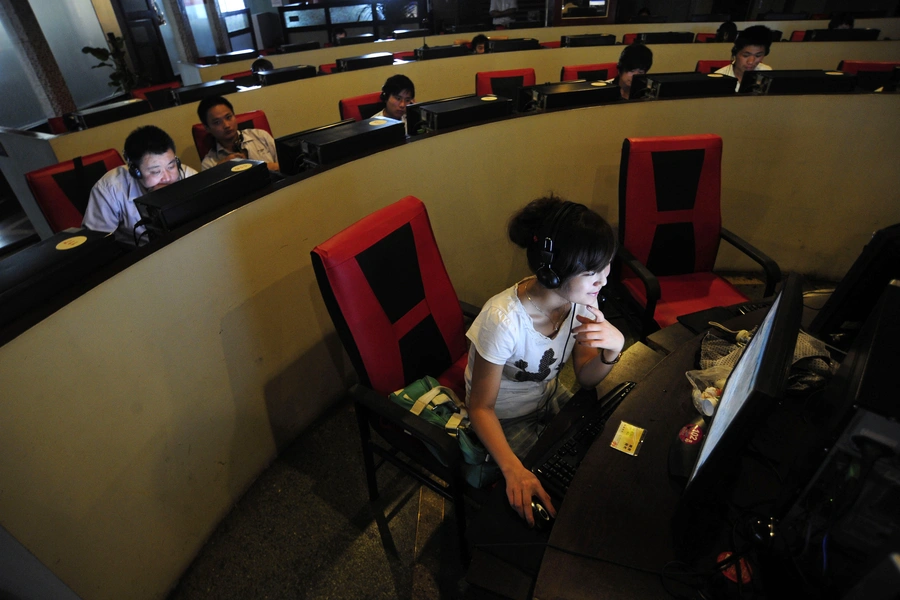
(557, 467)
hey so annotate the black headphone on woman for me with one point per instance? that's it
(545, 274)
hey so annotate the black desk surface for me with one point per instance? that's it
(618, 508)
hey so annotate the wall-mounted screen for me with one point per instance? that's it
(295, 19)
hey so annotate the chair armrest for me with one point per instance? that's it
(469, 310)
(773, 272)
(651, 283)
(446, 446)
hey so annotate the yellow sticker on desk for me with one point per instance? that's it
(72, 242)
(241, 167)
(489, 98)
(714, 75)
(377, 122)
(628, 439)
(834, 72)
(599, 83)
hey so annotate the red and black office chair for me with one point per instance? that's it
(797, 36)
(62, 190)
(255, 119)
(399, 319)
(628, 39)
(503, 83)
(243, 78)
(702, 38)
(327, 68)
(360, 107)
(855, 66)
(553, 44)
(710, 66)
(670, 225)
(594, 72)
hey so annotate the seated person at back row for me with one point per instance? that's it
(635, 59)
(151, 164)
(217, 116)
(479, 44)
(750, 47)
(525, 334)
(397, 93)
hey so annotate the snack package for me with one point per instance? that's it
(707, 387)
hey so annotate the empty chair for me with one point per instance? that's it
(503, 83)
(62, 190)
(205, 142)
(242, 78)
(670, 227)
(396, 313)
(797, 36)
(594, 72)
(710, 66)
(361, 107)
(553, 44)
(327, 68)
(629, 38)
(874, 66)
(704, 37)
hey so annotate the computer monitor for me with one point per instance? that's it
(285, 74)
(666, 37)
(415, 122)
(237, 55)
(30, 277)
(299, 47)
(363, 38)
(165, 209)
(431, 52)
(291, 159)
(365, 61)
(199, 91)
(330, 144)
(109, 113)
(658, 86)
(757, 381)
(587, 39)
(805, 81)
(567, 94)
(401, 34)
(513, 45)
(465, 110)
(839, 320)
(841, 35)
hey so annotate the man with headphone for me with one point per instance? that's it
(750, 47)
(217, 116)
(397, 93)
(151, 164)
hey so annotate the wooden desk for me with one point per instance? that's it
(617, 511)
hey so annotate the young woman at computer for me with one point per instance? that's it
(525, 334)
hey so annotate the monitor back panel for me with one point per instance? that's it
(469, 109)
(285, 74)
(365, 61)
(797, 82)
(430, 52)
(569, 95)
(681, 85)
(333, 144)
(199, 91)
(513, 45)
(92, 117)
(588, 39)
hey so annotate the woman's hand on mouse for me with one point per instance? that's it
(521, 486)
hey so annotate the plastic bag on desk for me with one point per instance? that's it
(707, 387)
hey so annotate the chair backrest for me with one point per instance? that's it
(503, 83)
(360, 107)
(855, 66)
(390, 298)
(797, 36)
(62, 190)
(704, 37)
(671, 187)
(327, 68)
(255, 119)
(629, 38)
(553, 44)
(710, 66)
(594, 72)
(405, 55)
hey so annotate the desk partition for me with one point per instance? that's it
(135, 416)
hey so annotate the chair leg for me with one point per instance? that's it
(365, 436)
(459, 507)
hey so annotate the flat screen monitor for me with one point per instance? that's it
(513, 45)
(299, 47)
(350, 40)
(588, 39)
(237, 55)
(401, 34)
(666, 37)
(431, 52)
(291, 159)
(285, 74)
(757, 381)
(839, 320)
(199, 91)
(365, 61)
(841, 35)
(567, 94)
(805, 81)
(109, 113)
(415, 121)
(658, 86)
(165, 209)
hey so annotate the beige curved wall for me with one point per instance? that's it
(135, 416)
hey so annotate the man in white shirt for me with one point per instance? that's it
(503, 12)
(750, 47)
(151, 164)
(217, 116)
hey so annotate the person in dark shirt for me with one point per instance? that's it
(635, 59)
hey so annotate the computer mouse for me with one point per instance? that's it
(542, 517)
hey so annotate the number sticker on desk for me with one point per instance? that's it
(628, 439)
